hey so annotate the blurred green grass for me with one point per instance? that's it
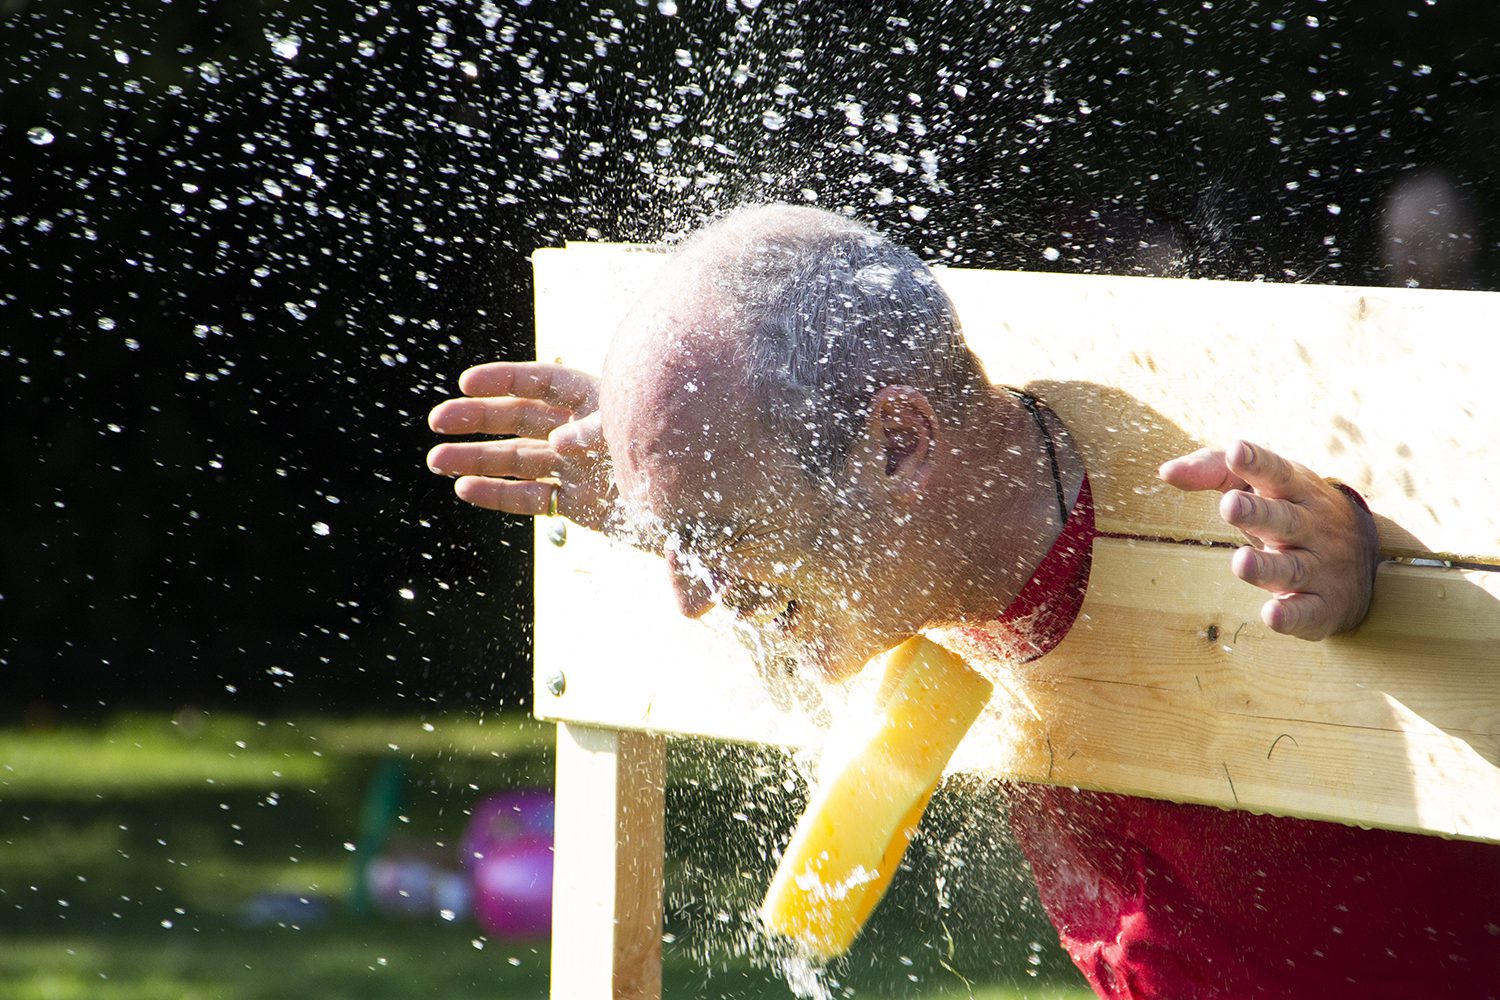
(130, 848)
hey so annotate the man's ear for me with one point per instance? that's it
(901, 440)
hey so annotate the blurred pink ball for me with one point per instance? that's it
(513, 888)
(506, 816)
(508, 849)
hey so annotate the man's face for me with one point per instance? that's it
(802, 567)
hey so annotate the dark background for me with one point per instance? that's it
(245, 246)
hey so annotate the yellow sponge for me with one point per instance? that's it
(869, 799)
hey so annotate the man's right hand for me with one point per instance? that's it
(546, 417)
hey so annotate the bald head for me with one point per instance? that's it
(797, 316)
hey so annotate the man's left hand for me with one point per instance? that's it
(1315, 547)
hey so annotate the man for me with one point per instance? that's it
(792, 419)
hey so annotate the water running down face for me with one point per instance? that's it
(738, 521)
(767, 413)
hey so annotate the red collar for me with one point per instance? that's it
(1041, 614)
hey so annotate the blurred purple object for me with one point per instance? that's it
(513, 888)
(508, 849)
(507, 816)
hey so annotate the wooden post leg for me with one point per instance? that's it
(607, 864)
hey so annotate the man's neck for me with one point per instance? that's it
(1002, 505)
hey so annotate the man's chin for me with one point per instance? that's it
(786, 644)
(836, 667)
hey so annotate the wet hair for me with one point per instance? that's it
(830, 313)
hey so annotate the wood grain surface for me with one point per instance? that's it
(1168, 686)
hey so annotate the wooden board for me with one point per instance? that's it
(1168, 687)
(1389, 389)
(607, 865)
(1395, 726)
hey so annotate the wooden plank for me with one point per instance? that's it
(607, 865)
(1394, 726)
(1380, 387)
(1167, 687)
(640, 665)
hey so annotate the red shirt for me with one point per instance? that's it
(1155, 899)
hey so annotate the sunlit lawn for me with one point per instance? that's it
(131, 850)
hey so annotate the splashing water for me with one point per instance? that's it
(245, 253)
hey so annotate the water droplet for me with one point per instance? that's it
(105, 323)
(773, 120)
(1051, 253)
(320, 528)
(667, 8)
(684, 57)
(407, 593)
(286, 46)
(209, 72)
(297, 311)
(917, 212)
(40, 136)
(1335, 209)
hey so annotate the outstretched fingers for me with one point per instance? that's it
(1272, 521)
(514, 459)
(500, 416)
(1267, 472)
(556, 385)
(1301, 606)
(1315, 548)
(581, 437)
(1279, 571)
(1302, 616)
(1204, 469)
(512, 496)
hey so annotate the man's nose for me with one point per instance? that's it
(694, 594)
